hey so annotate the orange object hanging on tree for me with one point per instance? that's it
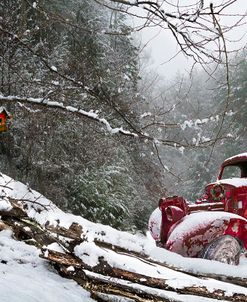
(5, 118)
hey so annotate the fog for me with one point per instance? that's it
(164, 52)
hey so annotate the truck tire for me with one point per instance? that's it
(226, 249)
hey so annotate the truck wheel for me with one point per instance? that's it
(224, 249)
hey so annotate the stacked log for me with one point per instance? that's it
(105, 281)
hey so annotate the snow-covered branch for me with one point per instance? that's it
(57, 105)
(94, 116)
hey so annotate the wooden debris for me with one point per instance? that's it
(74, 231)
(16, 211)
(105, 282)
(61, 258)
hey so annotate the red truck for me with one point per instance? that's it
(214, 227)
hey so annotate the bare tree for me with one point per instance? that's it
(199, 27)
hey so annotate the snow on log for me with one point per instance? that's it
(112, 264)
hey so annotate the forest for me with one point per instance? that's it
(133, 138)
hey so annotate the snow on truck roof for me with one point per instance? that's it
(235, 159)
(235, 181)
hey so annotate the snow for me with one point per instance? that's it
(54, 104)
(90, 114)
(159, 293)
(54, 68)
(5, 205)
(25, 269)
(235, 181)
(55, 247)
(181, 150)
(191, 123)
(133, 2)
(145, 114)
(2, 109)
(25, 277)
(236, 156)
(186, 124)
(200, 219)
(172, 278)
(154, 223)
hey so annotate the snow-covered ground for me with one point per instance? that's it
(26, 277)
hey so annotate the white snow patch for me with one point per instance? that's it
(159, 293)
(55, 247)
(54, 68)
(5, 205)
(235, 181)
(27, 277)
(200, 219)
(145, 114)
(236, 156)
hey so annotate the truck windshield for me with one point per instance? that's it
(231, 171)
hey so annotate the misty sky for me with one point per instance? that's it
(162, 46)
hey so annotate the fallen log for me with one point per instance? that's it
(108, 288)
(72, 265)
(105, 269)
(76, 232)
(61, 258)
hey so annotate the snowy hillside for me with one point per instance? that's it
(103, 263)
(27, 277)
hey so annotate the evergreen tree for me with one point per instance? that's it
(82, 54)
